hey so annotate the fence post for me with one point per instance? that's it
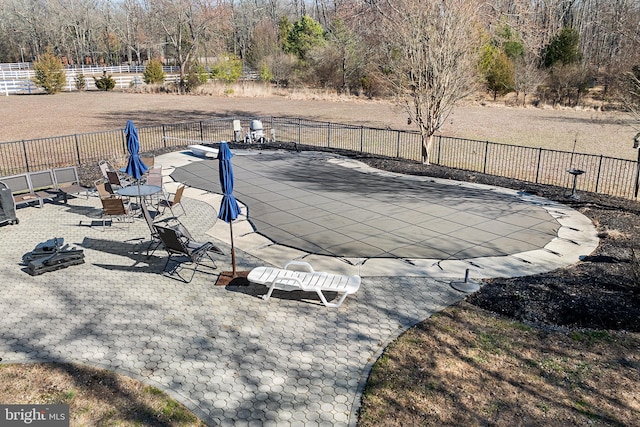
(124, 142)
(598, 177)
(439, 146)
(77, 148)
(398, 146)
(486, 154)
(538, 165)
(299, 130)
(164, 139)
(637, 176)
(328, 134)
(361, 138)
(201, 132)
(26, 158)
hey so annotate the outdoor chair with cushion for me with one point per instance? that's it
(171, 202)
(178, 243)
(302, 277)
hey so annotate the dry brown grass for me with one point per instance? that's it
(467, 367)
(95, 396)
(41, 116)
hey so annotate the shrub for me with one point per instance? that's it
(49, 72)
(81, 84)
(228, 70)
(105, 82)
(197, 76)
(265, 73)
(153, 73)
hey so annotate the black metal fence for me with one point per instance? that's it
(605, 175)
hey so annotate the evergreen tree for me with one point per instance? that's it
(305, 34)
(564, 48)
(49, 72)
(497, 70)
(105, 82)
(153, 73)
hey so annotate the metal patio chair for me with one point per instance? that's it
(178, 244)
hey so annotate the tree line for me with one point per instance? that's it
(427, 53)
(567, 44)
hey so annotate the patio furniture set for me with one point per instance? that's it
(116, 190)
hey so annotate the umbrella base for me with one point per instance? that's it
(226, 278)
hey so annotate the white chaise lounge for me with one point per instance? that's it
(203, 150)
(300, 276)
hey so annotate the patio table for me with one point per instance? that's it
(139, 191)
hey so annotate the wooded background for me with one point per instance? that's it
(555, 49)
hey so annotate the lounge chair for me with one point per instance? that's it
(179, 243)
(21, 189)
(304, 278)
(167, 222)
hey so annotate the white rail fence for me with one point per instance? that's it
(24, 69)
(25, 86)
(17, 78)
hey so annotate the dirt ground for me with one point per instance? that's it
(41, 116)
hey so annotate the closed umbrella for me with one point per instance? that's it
(229, 208)
(135, 166)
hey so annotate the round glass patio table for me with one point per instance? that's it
(139, 190)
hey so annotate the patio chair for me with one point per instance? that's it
(148, 161)
(155, 241)
(114, 179)
(68, 182)
(104, 189)
(115, 207)
(104, 168)
(304, 278)
(171, 202)
(178, 243)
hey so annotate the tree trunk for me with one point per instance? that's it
(427, 142)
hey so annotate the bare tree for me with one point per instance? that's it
(132, 30)
(186, 24)
(630, 96)
(431, 53)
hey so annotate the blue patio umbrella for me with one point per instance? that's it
(229, 208)
(135, 166)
